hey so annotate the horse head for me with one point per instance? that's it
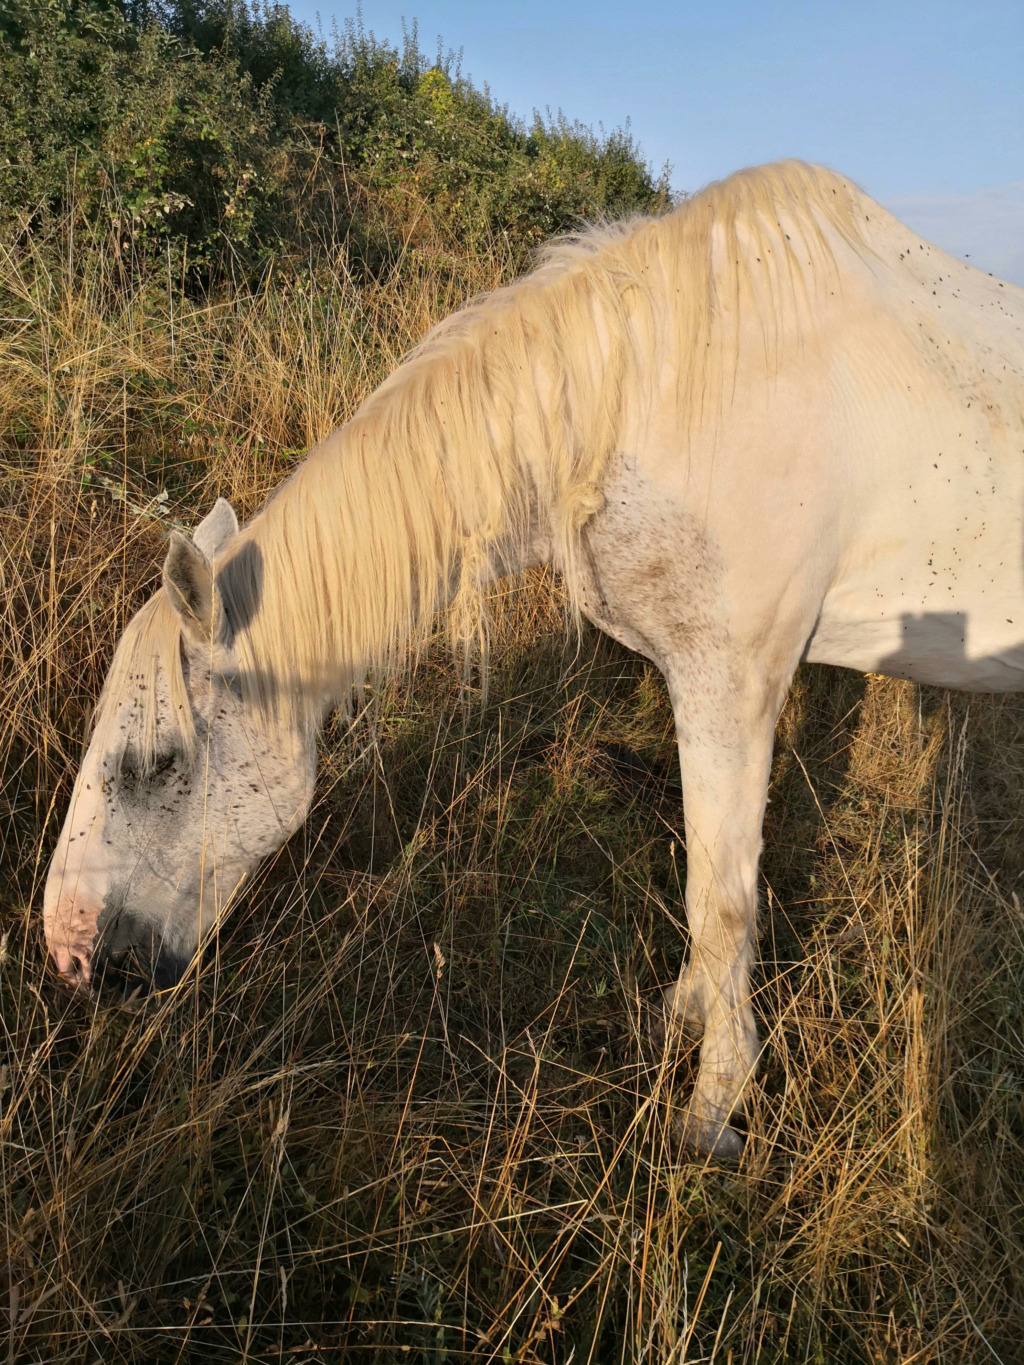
(184, 789)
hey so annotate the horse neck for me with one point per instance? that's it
(407, 511)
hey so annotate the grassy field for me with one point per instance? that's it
(409, 1109)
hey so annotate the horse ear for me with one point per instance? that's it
(188, 582)
(216, 528)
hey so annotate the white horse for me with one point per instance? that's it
(772, 425)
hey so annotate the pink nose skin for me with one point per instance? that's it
(74, 965)
(70, 926)
(74, 971)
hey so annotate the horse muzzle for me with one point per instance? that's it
(100, 945)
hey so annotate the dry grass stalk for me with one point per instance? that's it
(410, 1109)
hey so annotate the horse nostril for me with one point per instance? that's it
(74, 970)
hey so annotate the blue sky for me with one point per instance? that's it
(922, 103)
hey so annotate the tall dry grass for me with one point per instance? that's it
(409, 1108)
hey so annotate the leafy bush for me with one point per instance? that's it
(220, 137)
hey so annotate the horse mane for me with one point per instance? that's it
(503, 417)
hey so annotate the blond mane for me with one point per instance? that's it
(501, 420)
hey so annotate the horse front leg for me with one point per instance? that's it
(725, 748)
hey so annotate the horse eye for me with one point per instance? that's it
(131, 773)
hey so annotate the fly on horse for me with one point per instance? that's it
(772, 425)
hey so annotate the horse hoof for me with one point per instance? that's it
(710, 1137)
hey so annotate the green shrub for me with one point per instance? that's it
(218, 137)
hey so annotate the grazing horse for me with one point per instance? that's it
(772, 425)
